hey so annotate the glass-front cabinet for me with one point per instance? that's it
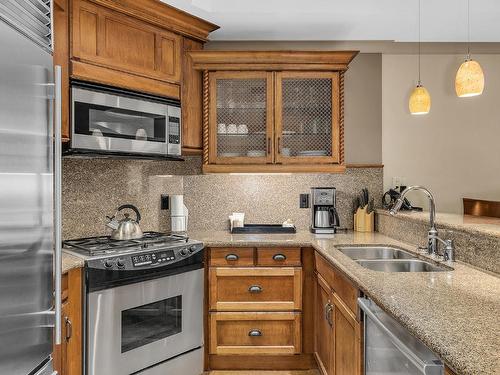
(279, 111)
(241, 118)
(307, 117)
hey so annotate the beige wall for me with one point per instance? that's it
(363, 88)
(455, 149)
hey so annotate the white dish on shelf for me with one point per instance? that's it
(230, 154)
(289, 132)
(232, 129)
(312, 153)
(256, 153)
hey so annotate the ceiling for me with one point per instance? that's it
(353, 20)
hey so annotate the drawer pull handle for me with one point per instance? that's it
(255, 333)
(255, 289)
(232, 257)
(279, 257)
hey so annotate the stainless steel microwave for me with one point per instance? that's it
(114, 121)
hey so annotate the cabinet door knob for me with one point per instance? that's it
(279, 257)
(255, 333)
(232, 257)
(255, 289)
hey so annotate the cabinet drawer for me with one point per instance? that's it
(278, 256)
(228, 256)
(255, 289)
(255, 333)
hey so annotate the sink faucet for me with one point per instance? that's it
(432, 237)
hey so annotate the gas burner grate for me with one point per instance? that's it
(105, 244)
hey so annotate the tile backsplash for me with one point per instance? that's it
(94, 188)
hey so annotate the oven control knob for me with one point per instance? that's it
(192, 249)
(183, 252)
(108, 263)
(120, 263)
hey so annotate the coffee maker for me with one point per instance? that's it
(324, 219)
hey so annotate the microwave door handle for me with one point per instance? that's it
(407, 352)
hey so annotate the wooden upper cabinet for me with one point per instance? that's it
(273, 111)
(114, 40)
(241, 118)
(307, 117)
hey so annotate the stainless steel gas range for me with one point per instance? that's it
(144, 304)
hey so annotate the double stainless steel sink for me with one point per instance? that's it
(387, 259)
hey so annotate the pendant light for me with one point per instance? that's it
(470, 77)
(420, 100)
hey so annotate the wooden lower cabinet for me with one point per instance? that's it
(255, 333)
(258, 316)
(323, 314)
(338, 329)
(68, 357)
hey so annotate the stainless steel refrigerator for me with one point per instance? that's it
(29, 189)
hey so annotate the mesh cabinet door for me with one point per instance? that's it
(307, 117)
(241, 118)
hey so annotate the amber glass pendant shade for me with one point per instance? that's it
(420, 101)
(469, 80)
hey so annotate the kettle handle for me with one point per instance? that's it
(133, 208)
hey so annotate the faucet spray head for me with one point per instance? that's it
(397, 206)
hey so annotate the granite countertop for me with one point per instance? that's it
(70, 261)
(467, 223)
(454, 313)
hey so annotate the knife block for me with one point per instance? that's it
(364, 222)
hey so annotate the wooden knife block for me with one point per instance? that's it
(364, 222)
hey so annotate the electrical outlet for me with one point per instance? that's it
(396, 182)
(304, 201)
(164, 202)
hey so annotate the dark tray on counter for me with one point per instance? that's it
(263, 229)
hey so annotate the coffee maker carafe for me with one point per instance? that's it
(325, 218)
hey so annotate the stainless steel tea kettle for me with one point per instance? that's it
(126, 228)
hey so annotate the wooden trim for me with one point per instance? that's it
(262, 362)
(341, 118)
(273, 168)
(206, 118)
(364, 165)
(163, 15)
(261, 271)
(272, 60)
(99, 74)
(188, 151)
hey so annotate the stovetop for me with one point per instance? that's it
(105, 245)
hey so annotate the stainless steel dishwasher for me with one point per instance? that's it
(390, 349)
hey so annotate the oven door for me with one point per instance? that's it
(103, 120)
(135, 326)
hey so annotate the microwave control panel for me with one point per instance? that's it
(174, 130)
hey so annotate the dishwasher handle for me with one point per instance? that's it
(425, 367)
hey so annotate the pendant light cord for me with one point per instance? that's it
(419, 48)
(468, 29)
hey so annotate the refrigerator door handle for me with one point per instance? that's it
(57, 202)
